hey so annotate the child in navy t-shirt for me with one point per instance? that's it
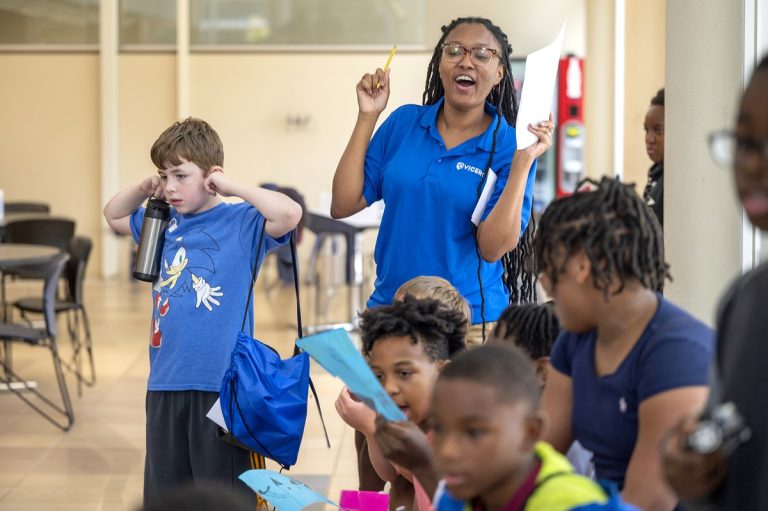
(629, 364)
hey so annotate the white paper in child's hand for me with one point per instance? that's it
(216, 415)
(538, 89)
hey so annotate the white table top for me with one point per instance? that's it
(16, 254)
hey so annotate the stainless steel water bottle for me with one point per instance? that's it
(156, 216)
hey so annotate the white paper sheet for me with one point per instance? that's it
(538, 89)
(217, 416)
(482, 202)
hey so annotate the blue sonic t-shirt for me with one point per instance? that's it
(430, 193)
(674, 351)
(199, 299)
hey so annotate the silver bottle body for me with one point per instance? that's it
(147, 264)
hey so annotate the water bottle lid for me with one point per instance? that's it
(157, 208)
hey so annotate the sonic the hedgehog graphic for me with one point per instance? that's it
(183, 276)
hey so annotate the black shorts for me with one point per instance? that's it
(183, 445)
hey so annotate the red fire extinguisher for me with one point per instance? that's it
(570, 117)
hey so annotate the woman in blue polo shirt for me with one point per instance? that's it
(429, 164)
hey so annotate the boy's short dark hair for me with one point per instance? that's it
(658, 99)
(439, 329)
(503, 367)
(192, 139)
(532, 327)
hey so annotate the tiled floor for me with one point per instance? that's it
(98, 464)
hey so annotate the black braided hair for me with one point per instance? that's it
(520, 268)
(520, 283)
(532, 327)
(614, 227)
(439, 329)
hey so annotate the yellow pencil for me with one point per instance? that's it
(389, 59)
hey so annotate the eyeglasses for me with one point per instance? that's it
(453, 52)
(728, 148)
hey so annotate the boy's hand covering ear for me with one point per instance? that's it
(152, 187)
(355, 413)
(404, 444)
(217, 182)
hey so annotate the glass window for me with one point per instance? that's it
(148, 23)
(306, 22)
(49, 22)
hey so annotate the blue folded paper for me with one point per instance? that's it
(333, 349)
(282, 492)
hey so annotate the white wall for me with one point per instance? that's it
(248, 98)
(50, 135)
(528, 25)
(702, 219)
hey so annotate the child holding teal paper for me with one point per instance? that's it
(407, 345)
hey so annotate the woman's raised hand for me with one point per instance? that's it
(373, 92)
(543, 130)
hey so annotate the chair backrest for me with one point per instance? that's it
(27, 207)
(54, 231)
(79, 253)
(50, 272)
(53, 269)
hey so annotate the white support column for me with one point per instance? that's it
(754, 242)
(761, 38)
(599, 91)
(182, 59)
(619, 45)
(110, 172)
(750, 240)
(702, 217)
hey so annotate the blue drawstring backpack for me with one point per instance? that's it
(264, 398)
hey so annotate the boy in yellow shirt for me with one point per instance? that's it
(486, 429)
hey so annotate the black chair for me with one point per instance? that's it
(62, 416)
(27, 207)
(53, 231)
(73, 305)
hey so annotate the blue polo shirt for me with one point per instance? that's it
(430, 193)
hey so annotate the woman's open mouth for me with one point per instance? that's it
(464, 82)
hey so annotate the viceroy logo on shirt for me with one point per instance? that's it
(463, 166)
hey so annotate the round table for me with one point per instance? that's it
(17, 254)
